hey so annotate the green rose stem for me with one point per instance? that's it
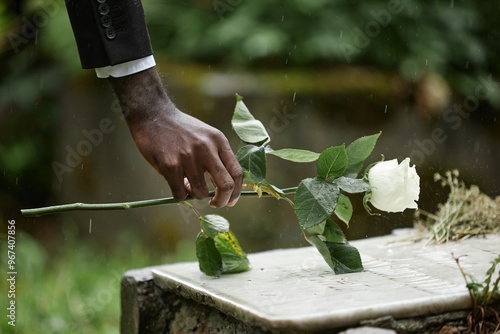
(193, 208)
(124, 205)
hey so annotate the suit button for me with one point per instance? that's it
(106, 21)
(103, 9)
(110, 32)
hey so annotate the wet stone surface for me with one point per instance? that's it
(293, 290)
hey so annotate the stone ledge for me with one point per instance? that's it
(404, 284)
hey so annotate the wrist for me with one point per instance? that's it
(142, 95)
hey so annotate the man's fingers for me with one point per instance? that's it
(227, 179)
(224, 187)
(175, 179)
(235, 171)
(196, 179)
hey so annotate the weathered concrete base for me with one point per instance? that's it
(148, 309)
(406, 288)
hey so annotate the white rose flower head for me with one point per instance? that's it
(394, 187)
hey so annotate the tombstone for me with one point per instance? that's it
(405, 284)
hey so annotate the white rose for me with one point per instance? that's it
(394, 187)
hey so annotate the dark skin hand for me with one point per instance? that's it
(180, 147)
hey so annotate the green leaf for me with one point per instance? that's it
(357, 152)
(234, 259)
(316, 229)
(341, 257)
(333, 232)
(295, 155)
(209, 259)
(272, 190)
(248, 129)
(315, 200)
(322, 249)
(352, 186)
(253, 159)
(328, 230)
(212, 225)
(346, 258)
(332, 162)
(366, 199)
(343, 210)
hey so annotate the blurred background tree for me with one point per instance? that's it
(339, 69)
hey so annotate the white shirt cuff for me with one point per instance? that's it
(127, 68)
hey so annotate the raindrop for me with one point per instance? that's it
(90, 226)
(385, 111)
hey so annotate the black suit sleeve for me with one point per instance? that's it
(109, 32)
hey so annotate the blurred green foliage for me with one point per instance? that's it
(74, 287)
(413, 36)
(456, 38)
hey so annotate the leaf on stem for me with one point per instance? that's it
(343, 210)
(341, 257)
(294, 155)
(332, 162)
(321, 246)
(332, 244)
(217, 248)
(333, 232)
(234, 259)
(327, 231)
(272, 190)
(315, 200)
(248, 129)
(253, 159)
(209, 258)
(212, 225)
(316, 229)
(357, 152)
(345, 258)
(352, 186)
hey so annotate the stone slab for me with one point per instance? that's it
(294, 289)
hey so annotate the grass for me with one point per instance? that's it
(74, 288)
(467, 212)
(485, 296)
